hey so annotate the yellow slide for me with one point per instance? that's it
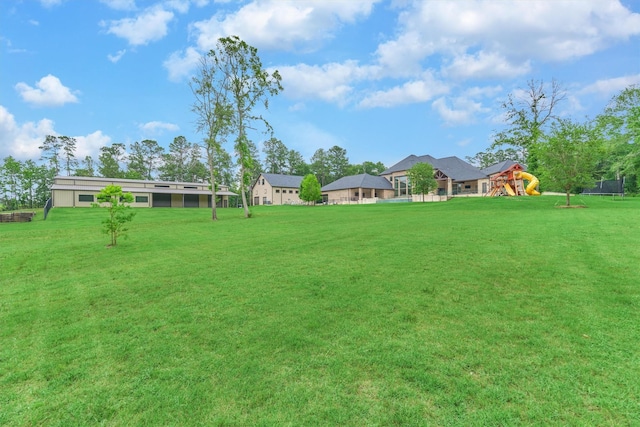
(509, 189)
(533, 182)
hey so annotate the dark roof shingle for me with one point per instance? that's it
(363, 180)
(280, 180)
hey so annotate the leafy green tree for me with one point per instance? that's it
(44, 181)
(144, 158)
(120, 212)
(28, 178)
(110, 159)
(183, 162)
(68, 153)
(528, 112)
(366, 167)
(249, 85)
(310, 190)
(421, 179)
(569, 155)
(296, 164)
(620, 125)
(490, 157)
(11, 171)
(51, 151)
(224, 166)
(87, 168)
(276, 156)
(320, 166)
(338, 162)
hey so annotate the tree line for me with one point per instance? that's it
(568, 154)
(26, 184)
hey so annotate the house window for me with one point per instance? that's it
(400, 185)
(161, 186)
(277, 191)
(142, 199)
(262, 181)
(296, 191)
(85, 197)
(190, 186)
(290, 191)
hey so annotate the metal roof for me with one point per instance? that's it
(359, 181)
(141, 190)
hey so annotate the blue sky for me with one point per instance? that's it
(382, 79)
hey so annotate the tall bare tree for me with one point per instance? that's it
(214, 115)
(527, 113)
(248, 85)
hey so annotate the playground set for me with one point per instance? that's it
(510, 182)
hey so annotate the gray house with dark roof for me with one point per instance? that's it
(361, 188)
(455, 176)
(276, 189)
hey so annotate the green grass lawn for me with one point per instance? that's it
(503, 311)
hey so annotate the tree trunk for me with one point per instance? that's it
(568, 198)
(244, 194)
(212, 177)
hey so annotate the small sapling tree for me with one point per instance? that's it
(421, 179)
(310, 188)
(120, 212)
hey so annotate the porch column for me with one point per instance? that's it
(449, 187)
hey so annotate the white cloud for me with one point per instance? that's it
(156, 127)
(507, 33)
(330, 82)
(90, 145)
(483, 65)
(22, 140)
(610, 87)
(411, 92)
(120, 4)
(50, 3)
(180, 6)
(151, 25)
(181, 65)
(49, 92)
(462, 113)
(115, 58)
(282, 24)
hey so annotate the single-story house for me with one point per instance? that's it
(363, 188)
(76, 191)
(276, 189)
(455, 176)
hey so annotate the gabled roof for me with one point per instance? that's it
(408, 162)
(499, 167)
(457, 169)
(280, 180)
(453, 167)
(363, 180)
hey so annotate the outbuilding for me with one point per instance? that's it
(76, 191)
